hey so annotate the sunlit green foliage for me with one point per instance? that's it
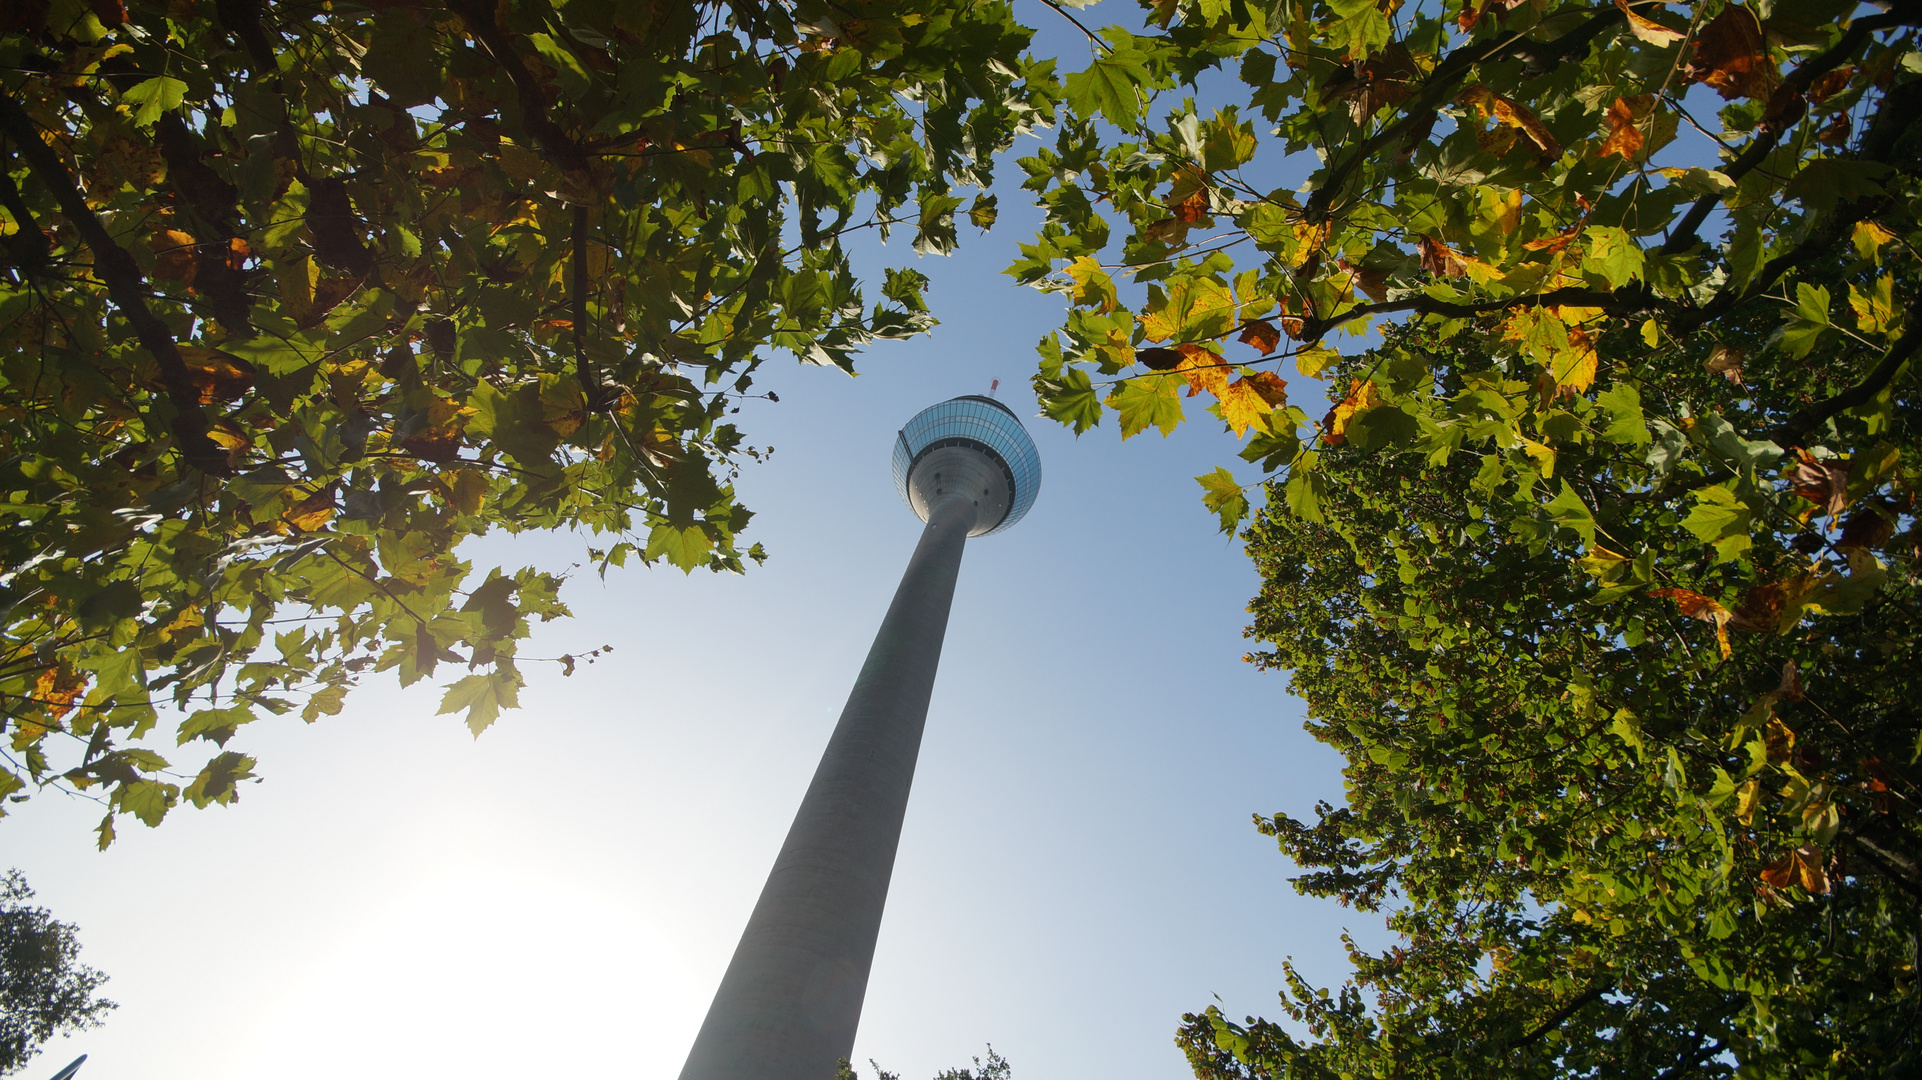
(299, 296)
(1601, 567)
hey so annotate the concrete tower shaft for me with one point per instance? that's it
(790, 1001)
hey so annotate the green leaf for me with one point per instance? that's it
(1613, 255)
(1107, 88)
(483, 696)
(1069, 398)
(1304, 492)
(1148, 401)
(1720, 518)
(686, 548)
(1221, 494)
(1626, 424)
(151, 97)
(1570, 512)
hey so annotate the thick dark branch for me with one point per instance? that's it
(27, 248)
(1892, 865)
(1541, 58)
(1625, 302)
(479, 17)
(1797, 84)
(577, 302)
(1796, 428)
(125, 287)
(1561, 1015)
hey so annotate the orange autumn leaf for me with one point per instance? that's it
(1262, 334)
(1805, 866)
(176, 257)
(57, 689)
(1204, 368)
(1361, 396)
(1696, 606)
(1624, 119)
(1512, 115)
(1730, 56)
(219, 376)
(1439, 259)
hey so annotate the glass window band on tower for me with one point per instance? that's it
(979, 423)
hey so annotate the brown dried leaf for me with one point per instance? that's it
(1697, 606)
(218, 375)
(1791, 688)
(1439, 259)
(1731, 57)
(1868, 527)
(1726, 362)
(1760, 611)
(1831, 84)
(1826, 484)
(176, 256)
(1261, 334)
(1272, 387)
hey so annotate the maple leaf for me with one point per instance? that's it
(1513, 116)
(311, 512)
(1361, 396)
(1243, 406)
(1826, 484)
(1831, 84)
(57, 688)
(1158, 359)
(1574, 367)
(1726, 362)
(176, 256)
(1696, 606)
(1204, 369)
(1624, 122)
(1261, 334)
(1730, 56)
(1647, 29)
(1439, 259)
(219, 376)
(1272, 387)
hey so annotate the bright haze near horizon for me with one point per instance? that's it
(560, 896)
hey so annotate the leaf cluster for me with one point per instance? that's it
(299, 297)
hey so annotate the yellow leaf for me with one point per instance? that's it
(1875, 309)
(1543, 455)
(1574, 367)
(1647, 29)
(1747, 797)
(1092, 285)
(1603, 563)
(1361, 396)
(1243, 407)
(1869, 238)
(1311, 362)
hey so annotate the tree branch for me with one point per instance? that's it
(1797, 83)
(584, 368)
(1540, 60)
(125, 288)
(479, 17)
(1624, 302)
(1792, 431)
(1560, 1016)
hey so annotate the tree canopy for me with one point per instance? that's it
(299, 296)
(1599, 562)
(44, 988)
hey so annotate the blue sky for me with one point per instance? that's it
(560, 896)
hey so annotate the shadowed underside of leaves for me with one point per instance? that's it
(297, 299)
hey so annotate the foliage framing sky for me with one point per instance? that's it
(397, 898)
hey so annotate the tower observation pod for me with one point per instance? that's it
(790, 1002)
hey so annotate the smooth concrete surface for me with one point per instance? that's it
(790, 1002)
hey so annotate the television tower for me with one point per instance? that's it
(790, 1002)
